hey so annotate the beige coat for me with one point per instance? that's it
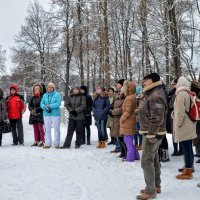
(184, 128)
(128, 119)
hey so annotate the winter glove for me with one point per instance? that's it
(110, 113)
(74, 112)
(47, 108)
(152, 140)
(33, 112)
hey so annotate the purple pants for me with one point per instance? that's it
(132, 152)
(38, 132)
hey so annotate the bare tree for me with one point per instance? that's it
(2, 60)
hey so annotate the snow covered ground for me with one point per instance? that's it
(33, 173)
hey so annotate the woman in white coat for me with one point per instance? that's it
(184, 128)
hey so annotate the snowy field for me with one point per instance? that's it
(33, 173)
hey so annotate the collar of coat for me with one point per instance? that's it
(152, 86)
(103, 94)
(79, 94)
(182, 88)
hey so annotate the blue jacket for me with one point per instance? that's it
(52, 99)
(101, 106)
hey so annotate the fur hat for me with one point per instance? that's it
(153, 76)
(121, 81)
(52, 85)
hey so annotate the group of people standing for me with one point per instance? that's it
(138, 118)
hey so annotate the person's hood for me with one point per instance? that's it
(43, 88)
(15, 86)
(183, 82)
(83, 87)
(128, 88)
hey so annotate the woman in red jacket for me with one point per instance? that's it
(16, 108)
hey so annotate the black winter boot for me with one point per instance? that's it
(122, 148)
(112, 141)
(165, 156)
(175, 145)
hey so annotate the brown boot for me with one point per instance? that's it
(103, 145)
(145, 196)
(139, 147)
(186, 174)
(99, 145)
(158, 190)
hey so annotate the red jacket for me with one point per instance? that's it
(15, 105)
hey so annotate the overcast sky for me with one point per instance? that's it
(12, 15)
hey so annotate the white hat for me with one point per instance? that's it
(52, 85)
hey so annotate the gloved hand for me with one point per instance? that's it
(47, 108)
(33, 112)
(73, 112)
(110, 113)
(152, 140)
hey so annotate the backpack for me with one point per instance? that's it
(194, 112)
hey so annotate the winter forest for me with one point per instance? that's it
(96, 42)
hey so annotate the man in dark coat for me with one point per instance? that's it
(88, 115)
(153, 127)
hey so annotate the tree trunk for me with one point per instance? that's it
(80, 35)
(175, 42)
(106, 44)
(146, 60)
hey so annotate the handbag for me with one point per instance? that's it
(5, 127)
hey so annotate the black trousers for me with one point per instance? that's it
(123, 147)
(17, 131)
(0, 138)
(78, 126)
(88, 132)
(164, 144)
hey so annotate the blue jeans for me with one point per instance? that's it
(137, 136)
(101, 126)
(117, 144)
(188, 153)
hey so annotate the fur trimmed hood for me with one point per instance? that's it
(128, 88)
(152, 86)
(103, 95)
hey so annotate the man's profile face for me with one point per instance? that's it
(147, 82)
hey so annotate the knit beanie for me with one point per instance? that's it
(52, 85)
